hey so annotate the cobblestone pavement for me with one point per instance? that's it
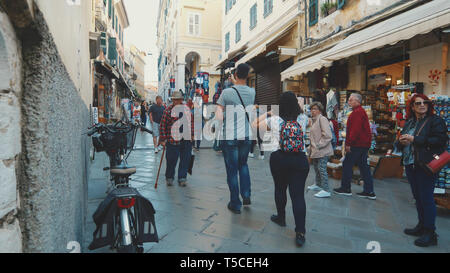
(195, 218)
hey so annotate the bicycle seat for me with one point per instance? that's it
(123, 170)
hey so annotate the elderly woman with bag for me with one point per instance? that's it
(321, 149)
(424, 135)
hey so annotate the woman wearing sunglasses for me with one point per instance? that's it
(423, 135)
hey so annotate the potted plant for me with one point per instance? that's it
(332, 7)
(325, 8)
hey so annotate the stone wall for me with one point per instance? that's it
(53, 180)
(10, 146)
(44, 149)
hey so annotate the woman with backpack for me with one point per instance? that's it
(289, 165)
(321, 149)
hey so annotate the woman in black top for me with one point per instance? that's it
(424, 135)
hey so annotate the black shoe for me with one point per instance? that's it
(300, 239)
(247, 202)
(341, 191)
(235, 211)
(417, 231)
(429, 238)
(278, 220)
(370, 196)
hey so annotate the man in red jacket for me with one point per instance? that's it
(357, 144)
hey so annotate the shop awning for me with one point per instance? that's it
(261, 45)
(315, 62)
(420, 20)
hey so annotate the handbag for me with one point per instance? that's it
(438, 162)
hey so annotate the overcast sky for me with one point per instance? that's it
(143, 15)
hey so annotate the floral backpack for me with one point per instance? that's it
(291, 137)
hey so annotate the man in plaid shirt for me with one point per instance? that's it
(178, 144)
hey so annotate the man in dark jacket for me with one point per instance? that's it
(357, 144)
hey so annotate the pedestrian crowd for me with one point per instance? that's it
(424, 134)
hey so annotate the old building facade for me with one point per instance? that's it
(189, 41)
(307, 41)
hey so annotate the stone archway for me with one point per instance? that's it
(192, 60)
(10, 135)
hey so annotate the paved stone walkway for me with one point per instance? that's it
(195, 218)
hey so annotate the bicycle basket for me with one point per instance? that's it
(98, 143)
(111, 141)
(131, 137)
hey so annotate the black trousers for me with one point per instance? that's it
(290, 171)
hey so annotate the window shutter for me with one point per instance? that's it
(191, 24)
(197, 24)
(103, 44)
(313, 12)
(110, 8)
(341, 3)
(112, 51)
(238, 31)
(227, 42)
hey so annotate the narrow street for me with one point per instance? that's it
(196, 219)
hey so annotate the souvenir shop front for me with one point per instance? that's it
(386, 63)
(109, 89)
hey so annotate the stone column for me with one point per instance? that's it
(180, 76)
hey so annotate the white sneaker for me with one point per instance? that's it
(156, 150)
(261, 157)
(161, 148)
(323, 194)
(314, 188)
(251, 155)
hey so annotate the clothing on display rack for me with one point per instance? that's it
(332, 103)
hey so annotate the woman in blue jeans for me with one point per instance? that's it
(289, 169)
(423, 135)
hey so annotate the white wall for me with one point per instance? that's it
(422, 61)
(69, 25)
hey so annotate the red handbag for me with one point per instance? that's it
(439, 162)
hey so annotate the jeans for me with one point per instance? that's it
(235, 154)
(422, 186)
(290, 170)
(357, 156)
(320, 167)
(182, 151)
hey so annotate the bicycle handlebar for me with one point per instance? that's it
(115, 128)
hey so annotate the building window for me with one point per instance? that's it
(268, 7)
(253, 17)
(110, 6)
(313, 12)
(238, 31)
(227, 42)
(229, 4)
(194, 24)
(341, 4)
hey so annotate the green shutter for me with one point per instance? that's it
(341, 4)
(103, 44)
(112, 50)
(110, 8)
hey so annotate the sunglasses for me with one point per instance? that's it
(418, 103)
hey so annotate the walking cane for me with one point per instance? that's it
(160, 164)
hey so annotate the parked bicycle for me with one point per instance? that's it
(125, 219)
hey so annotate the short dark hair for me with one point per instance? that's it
(242, 71)
(289, 108)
